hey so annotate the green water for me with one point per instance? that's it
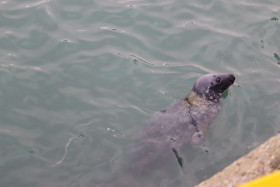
(79, 77)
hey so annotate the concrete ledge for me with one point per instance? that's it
(264, 160)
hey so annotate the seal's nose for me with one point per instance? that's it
(231, 77)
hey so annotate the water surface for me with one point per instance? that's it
(78, 78)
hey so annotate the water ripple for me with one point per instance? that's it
(36, 3)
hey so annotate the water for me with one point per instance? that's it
(79, 77)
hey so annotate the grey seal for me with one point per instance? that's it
(185, 121)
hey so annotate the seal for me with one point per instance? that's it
(185, 121)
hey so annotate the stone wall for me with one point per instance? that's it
(264, 160)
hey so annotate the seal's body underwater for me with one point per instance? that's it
(186, 121)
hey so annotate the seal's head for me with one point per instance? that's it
(211, 86)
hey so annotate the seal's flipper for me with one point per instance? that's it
(198, 138)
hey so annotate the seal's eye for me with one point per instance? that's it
(218, 79)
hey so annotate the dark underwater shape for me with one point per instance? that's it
(274, 19)
(276, 56)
